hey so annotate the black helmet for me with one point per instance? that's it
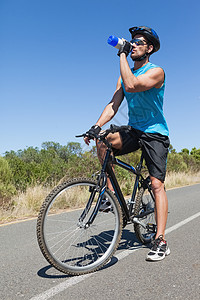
(149, 33)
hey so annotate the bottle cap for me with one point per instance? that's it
(113, 40)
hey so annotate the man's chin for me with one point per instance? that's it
(134, 57)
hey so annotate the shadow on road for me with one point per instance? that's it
(128, 240)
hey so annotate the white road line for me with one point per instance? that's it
(178, 225)
(74, 280)
(61, 287)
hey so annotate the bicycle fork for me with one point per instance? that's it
(99, 188)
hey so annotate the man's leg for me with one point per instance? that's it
(116, 141)
(161, 205)
(160, 247)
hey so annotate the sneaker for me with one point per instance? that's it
(159, 250)
(105, 205)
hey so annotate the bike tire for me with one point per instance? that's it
(145, 203)
(64, 242)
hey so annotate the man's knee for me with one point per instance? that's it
(156, 185)
(116, 140)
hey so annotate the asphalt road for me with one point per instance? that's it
(25, 274)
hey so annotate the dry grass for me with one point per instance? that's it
(181, 179)
(27, 204)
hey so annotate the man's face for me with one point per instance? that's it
(138, 49)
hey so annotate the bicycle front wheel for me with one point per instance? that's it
(67, 243)
(144, 208)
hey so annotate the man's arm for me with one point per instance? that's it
(112, 107)
(152, 78)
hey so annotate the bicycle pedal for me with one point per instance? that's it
(151, 227)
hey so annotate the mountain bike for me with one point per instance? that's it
(83, 239)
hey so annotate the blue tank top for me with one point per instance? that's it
(145, 109)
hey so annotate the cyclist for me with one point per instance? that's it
(143, 87)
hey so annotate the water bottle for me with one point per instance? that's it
(115, 41)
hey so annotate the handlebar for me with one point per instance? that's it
(103, 134)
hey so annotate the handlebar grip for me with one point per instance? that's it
(113, 128)
(81, 135)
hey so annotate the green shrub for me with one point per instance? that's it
(54, 162)
(176, 163)
(7, 189)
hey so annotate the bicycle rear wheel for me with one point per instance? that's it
(65, 242)
(144, 207)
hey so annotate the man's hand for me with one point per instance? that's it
(126, 48)
(91, 133)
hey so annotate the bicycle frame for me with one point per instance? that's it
(107, 169)
(118, 192)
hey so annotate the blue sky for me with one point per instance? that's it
(57, 71)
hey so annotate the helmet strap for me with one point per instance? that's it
(141, 57)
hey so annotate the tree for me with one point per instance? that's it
(74, 148)
(195, 153)
(171, 149)
(185, 150)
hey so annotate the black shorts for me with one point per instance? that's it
(154, 148)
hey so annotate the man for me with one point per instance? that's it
(143, 87)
